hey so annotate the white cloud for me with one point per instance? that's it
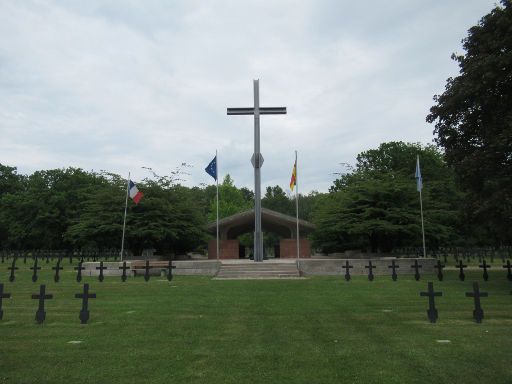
(121, 85)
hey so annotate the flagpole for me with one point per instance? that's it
(125, 209)
(297, 204)
(422, 227)
(217, 179)
(421, 204)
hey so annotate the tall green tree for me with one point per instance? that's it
(473, 122)
(37, 214)
(376, 207)
(231, 200)
(275, 199)
(71, 208)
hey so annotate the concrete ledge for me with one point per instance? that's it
(196, 267)
(326, 267)
(186, 267)
(112, 268)
(308, 267)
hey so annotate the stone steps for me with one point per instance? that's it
(258, 271)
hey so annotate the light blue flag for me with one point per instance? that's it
(419, 182)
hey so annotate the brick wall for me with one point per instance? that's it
(228, 249)
(289, 248)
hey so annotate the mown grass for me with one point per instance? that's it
(198, 330)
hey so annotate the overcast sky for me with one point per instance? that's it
(118, 85)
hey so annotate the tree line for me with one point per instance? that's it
(373, 205)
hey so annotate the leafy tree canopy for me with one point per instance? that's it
(376, 206)
(71, 208)
(231, 200)
(473, 121)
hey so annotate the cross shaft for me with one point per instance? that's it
(258, 161)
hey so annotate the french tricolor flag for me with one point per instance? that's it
(135, 194)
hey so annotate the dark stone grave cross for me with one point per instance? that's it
(416, 267)
(170, 267)
(393, 267)
(478, 312)
(485, 266)
(509, 271)
(35, 268)
(432, 311)
(79, 271)
(85, 296)
(461, 266)
(57, 268)
(12, 268)
(146, 273)
(101, 268)
(347, 270)
(439, 268)
(370, 268)
(124, 268)
(41, 314)
(3, 296)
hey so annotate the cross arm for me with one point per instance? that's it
(46, 296)
(81, 295)
(263, 111)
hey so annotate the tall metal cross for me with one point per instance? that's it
(257, 161)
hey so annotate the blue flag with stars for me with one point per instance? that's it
(211, 169)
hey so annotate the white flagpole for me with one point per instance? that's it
(297, 204)
(422, 227)
(217, 173)
(125, 209)
(421, 210)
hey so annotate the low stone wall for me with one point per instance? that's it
(196, 267)
(308, 267)
(185, 267)
(355, 254)
(319, 267)
(112, 268)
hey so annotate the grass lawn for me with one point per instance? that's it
(197, 330)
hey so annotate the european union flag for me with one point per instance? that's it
(211, 169)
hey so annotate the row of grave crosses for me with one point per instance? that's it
(416, 266)
(125, 268)
(478, 312)
(49, 255)
(79, 269)
(432, 313)
(459, 252)
(42, 296)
